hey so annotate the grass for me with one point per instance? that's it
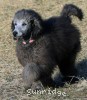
(11, 83)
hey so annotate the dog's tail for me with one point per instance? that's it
(70, 9)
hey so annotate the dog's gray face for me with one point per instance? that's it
(24, 23)
(20, 27)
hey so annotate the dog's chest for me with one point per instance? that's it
(25, 55)
(37, 53)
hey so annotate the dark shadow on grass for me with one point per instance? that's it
(82, 68)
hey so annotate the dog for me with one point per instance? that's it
(41, 45)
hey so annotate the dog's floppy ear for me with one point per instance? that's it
(36, 26)
(12, 26)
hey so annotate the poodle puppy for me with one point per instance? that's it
(41, 45)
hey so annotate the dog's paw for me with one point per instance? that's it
(37, 86)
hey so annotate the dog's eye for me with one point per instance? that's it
(15, 24)
(32, 21)
(24, 24)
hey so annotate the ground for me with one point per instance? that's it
(11, 83)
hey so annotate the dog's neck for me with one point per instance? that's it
(30, 41)
(25, 43)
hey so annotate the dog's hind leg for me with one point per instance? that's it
(48, 82)
(67, 65)
(68, 70)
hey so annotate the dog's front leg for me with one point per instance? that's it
(31, 74)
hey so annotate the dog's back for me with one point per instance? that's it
(64, 20)
(63, 32)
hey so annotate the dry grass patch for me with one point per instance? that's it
(11, 84)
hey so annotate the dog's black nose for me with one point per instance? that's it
(15, 33)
